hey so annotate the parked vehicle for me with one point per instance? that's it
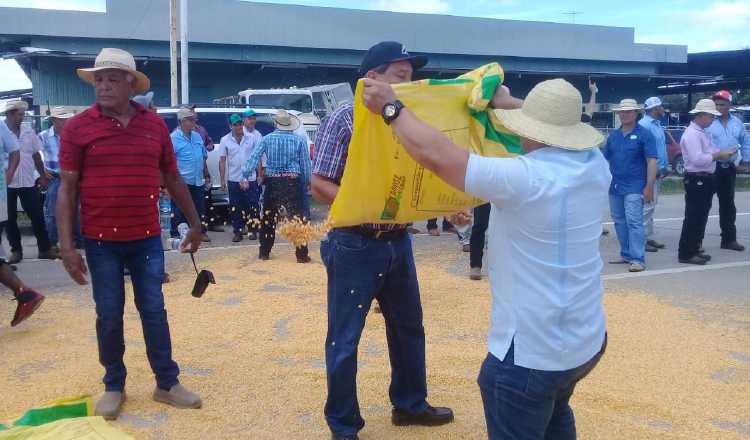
(328, 97)
(216, 122)
(674, 152)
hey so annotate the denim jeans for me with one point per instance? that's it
(145, 260)
(627, 214)
(360, 269)
(243, 205)
(50, 219)
(648, 210)
(525, 404)
(198, 194)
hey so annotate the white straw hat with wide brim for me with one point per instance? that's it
(286, 121)
(112, 58)
(705, 106)
(551, 114)
(61, 113)
(15, 104)
(628, 104)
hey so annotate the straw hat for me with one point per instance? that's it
(185, 112)
(551, 114)
(61, 113)
(628, 104)
(16, 104)
(705, 106)
(285, 121)
(110, 58)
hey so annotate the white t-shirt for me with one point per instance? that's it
(8, 144)
(25, 176)
(544, 262)
(238, 153)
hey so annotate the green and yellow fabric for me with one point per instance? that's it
(383, 184)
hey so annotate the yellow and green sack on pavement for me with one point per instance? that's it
(383, 184)
(64, 419)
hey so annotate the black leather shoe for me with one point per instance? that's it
(705, 257)
(431, 416)
(695, 259)
(344, 437)
(733, 246)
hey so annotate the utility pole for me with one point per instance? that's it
(173, 52)
(184, 50)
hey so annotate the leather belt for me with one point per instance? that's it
(376, 235)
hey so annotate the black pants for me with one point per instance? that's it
(699, 192)
(31, 202)
(726, 178)
(476, 242)
(432, 224)
(281, 192)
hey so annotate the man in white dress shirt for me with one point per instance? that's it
(548, 327)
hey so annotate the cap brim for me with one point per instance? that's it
(417, 61)
(572, 137)
(142, 83)
(695, 112)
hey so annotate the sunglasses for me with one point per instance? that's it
(204, 278)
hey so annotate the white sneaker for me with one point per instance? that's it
(636, 267)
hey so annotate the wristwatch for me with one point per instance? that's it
(391, 111)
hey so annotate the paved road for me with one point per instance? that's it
(725, 281)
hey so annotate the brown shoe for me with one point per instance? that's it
(109, 405)
(179, 397)
(50, 254)
(655, 244)
(733, 246)
(475, 273)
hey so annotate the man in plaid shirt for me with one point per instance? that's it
(366, 262)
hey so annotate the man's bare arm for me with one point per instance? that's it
(66, 211)
(181, 196)
(323, 189)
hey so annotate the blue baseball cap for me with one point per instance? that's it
(389, 52)
(249, 113)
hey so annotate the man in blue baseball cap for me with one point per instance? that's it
(366, 262)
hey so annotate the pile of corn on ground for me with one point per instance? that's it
(253, 348)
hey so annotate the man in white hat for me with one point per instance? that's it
(112, 157)
(23, 185)
(191, 154)
(631, 152)
(28, 299)
(651, 121)
(728, 131)
(548, 326)
(50, 139)
(700, 156)
(287, 173)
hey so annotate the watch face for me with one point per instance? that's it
(389, 110)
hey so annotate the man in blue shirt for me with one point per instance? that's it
(632, 154)
(726, 132)
(651, 121)
(287, 176)
(191, 156)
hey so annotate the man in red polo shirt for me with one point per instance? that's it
(112, 156)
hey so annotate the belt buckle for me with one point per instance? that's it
(378, 234)
(724, 165)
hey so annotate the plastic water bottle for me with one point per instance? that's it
(183, 229)
(165, 213)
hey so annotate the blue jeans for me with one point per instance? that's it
(360, 269)
(627, 214)
(145, 260)
(648, 210)
(525, 404)
(50, 219)
(198, 194)
(243, 205)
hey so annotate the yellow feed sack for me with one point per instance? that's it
(383, 184)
